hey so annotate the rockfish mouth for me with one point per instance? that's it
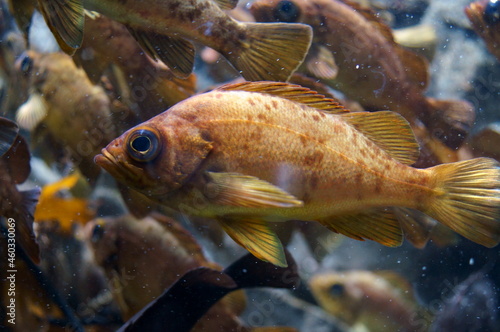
(116, 167)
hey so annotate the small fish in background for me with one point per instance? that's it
(66, 108)
(148, 87)
(473, 306)
(65, 211)
(144, 257)
(354, 51)
(484, 15)
(163, 28)
(14, 170)
(252, 153)
(187, 300)
(380, 301)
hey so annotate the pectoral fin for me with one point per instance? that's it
(247, 191)
(379, 225)
(65, 18)
(177, 53)
(256, 237)
(320, 63)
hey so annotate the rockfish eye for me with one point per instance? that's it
(492, 12)
(143, 145)
(336, 290)
(286, 11)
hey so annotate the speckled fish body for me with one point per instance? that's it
(255, 152)
(368, 65)
(163, 28)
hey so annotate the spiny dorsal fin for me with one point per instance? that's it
(292, 92)
(389, 130)
(379, 225)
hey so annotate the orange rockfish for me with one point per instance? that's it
(163, 27)
(484, 16)
(355, 52)
(250, 153)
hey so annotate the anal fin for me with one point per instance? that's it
(380, 225)
(256, 236)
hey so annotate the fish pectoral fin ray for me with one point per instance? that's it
(255, 236)
(32, 112)
(65, 18)
(321, 63)
(177, 53)
(416, 226)
(389, 130)
(247, 191)
(379, 225)
(292, 92)
(8, 134)
(270, 51)
(227, 4)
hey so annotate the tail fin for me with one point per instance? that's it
(468, 199)
(273, 51)
(451, 120)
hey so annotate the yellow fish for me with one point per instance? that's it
(251, 153)
(165, 28)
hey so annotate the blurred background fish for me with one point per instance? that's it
(257, 51)
(484, 15)
(379, 300)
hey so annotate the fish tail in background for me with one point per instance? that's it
(467, 199)
(272, 51)
(24, 224)
(450, 120)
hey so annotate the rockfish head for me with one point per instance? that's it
(156, 157)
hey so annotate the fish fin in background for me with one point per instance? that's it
(227, 4)
(467, 199)
(177, 53)
(390, 131)
(32, 112)
(321, 63)
(380, 225)
(8, 134)
(451, 120)
(313, 84)
(65, 18)
(417, 227)
(249, 272)
(271, 51)
(256, 237)
(247, 191)
(24, 224)
(290, 92)
(443, 236)
(22, 10)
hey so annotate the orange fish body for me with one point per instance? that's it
(355, 52)
(256, 152)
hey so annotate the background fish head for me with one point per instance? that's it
(156, 157)
(284, 11)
